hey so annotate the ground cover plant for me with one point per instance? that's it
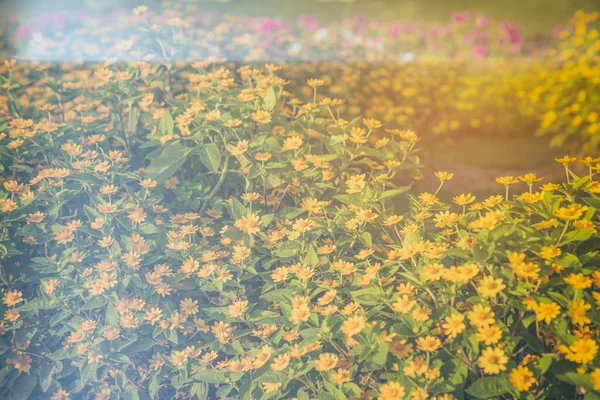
(209, 229)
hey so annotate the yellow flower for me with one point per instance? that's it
(391, 391)
(454, 325)
(444, 176)
(12, 298)
(463, 199)
(481, 316)
(141, 10)
(292, 143)
(489, 334)
(530, 178)
(566, 160)
(356, 183)
(595, 376)
(428, 199)
(572, 212)
(577, 312)
(238, 308)
(240, 148)
(578, 281)
(550, 252)
(490, 286)
(522, 378)
(341, 376)
(428, 343)
(492, 360)
(250, 224)
(271, 386)
(353, 325)
(300, 314)
(403, 304)
(582, 351)
(261, 117)
(507, 180)
(547, 312)
(326, 362)
(371, 123)
(549, 187)
(281, 362)
(315, 83)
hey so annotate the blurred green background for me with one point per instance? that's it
(534, 16)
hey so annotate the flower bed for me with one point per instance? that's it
(195, 230)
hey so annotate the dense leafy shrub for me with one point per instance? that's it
(565, 95)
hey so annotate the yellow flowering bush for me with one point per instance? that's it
(176, 229)
(438, 97)
(565, 94)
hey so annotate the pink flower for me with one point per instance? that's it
(59, 20)
(470, 36)
(24, 31)
(395, 29)
(558, 29)
(481, 21)
(309, 22)
(410, 28)
(480, 51)
(459, 18)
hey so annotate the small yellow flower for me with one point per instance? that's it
(444, 176)
(522, 378)
(566, 160)
(326, 362)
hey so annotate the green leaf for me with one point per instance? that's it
(577, 235)
(567, 372)
(490, 387)
(210, 156)
(154, 386)
(200, 390)
(352, 389)
(543, 364)
(95, 302)
(350, 199)
(237, 209)
(23, 386)
(311, 259)
(166, 125)
(140, 345)
(394, 192)
(370, 296)
(47, 373)
(149, 229)
(270, 100)
(39, 304)
(212, 376)
(170, 160)
(131, 393)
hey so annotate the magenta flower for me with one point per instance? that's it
(480, 51)
(24, 31)
(461, 17)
